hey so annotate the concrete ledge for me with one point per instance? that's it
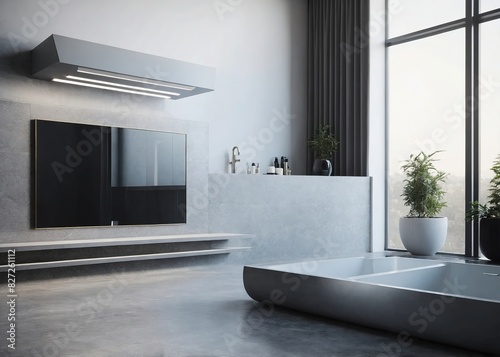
(106, 242)
(118, 259)
(56, 254)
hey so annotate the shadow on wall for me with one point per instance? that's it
(16, 63)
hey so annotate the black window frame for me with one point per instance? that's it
(471, 23)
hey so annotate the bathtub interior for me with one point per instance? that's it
(465, 280)
(459, 279)
(343, 268)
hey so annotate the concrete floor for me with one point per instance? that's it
(184, 312)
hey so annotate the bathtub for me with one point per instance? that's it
(448, 302)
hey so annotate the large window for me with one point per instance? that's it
(489, 102)
(413, 15)
(444, 94)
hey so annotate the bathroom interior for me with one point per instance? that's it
(255, 260)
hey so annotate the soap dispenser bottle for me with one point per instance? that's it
(285, 167)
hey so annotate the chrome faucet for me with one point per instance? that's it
(234, 160)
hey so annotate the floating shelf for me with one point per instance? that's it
(129, 241)
(106, 242)
(126, 258)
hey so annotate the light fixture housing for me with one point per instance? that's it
(68, 60)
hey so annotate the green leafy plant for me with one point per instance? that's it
(324, 144)
(422, 190)
(492, 208)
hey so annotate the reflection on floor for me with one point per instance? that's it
(185, 312)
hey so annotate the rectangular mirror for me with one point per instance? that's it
(91, 175)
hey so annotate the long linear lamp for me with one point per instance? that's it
(82, 63)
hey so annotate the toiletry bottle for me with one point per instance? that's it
(285, 167)
(282, 163)
(248, 169)
(253, 168)
(257, 169)
(276, 163)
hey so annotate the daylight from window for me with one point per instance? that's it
(427, 106)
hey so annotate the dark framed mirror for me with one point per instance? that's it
(91, 175)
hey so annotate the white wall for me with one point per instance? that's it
(377, 126)
(258, 48)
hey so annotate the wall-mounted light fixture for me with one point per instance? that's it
(68, 60)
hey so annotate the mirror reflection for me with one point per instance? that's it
(89, 175)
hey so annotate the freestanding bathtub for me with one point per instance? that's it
(449, 302)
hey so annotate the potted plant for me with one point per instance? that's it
(422, 231)
(488, 216)
(324, 144)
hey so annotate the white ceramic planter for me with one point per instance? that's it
(423, 236)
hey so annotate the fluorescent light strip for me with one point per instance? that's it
(121, 85)
(124, 77)
(109, 88)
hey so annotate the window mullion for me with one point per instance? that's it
(475, 123)
(469, 247)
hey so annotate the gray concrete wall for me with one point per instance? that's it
(16, 176)
(257, 47)
(293, 217)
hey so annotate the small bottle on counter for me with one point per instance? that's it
(276, 163)
(257, 169)
(253, 168)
